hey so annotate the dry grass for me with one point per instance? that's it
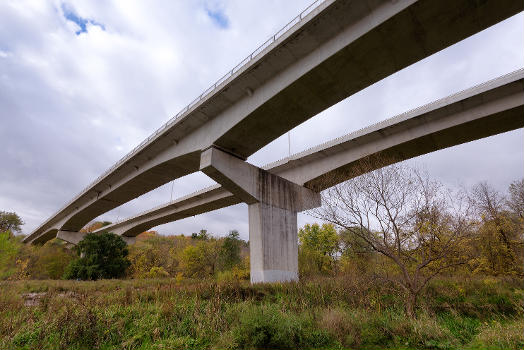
(501, 335)
(343, 312)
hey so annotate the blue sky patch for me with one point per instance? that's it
(218, 17)
(70, 15)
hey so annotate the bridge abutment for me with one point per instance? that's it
(273, 204)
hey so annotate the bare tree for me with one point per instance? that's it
(403, 215)
(487, 201)
(516, 198)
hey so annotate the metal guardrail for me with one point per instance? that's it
(208, 91)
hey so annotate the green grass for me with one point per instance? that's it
(341, 313)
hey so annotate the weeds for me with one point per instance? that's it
(355, 313)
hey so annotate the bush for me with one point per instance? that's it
(157, 272)
(229, 251)
(155, 251)
(101, 256)
(266, 327)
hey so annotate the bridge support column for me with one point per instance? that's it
(273, 243)
(273, 204)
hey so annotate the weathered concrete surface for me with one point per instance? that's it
(273, 203)
(337, 50)
(488, 109)
(273, 244)
(253, 185)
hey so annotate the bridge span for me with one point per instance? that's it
(484, 110)
(327, 53)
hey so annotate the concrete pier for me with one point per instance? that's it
(273, 204)
(273, 243)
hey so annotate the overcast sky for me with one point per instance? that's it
(83, 82)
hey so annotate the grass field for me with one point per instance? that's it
(341, 313)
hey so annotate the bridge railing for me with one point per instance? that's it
(208, 91)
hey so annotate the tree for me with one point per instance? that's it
(355, 254)
(9, 248)
(10, 222)
(229, 254)
(48, 261)
(318, 248)
(153, 251)
(499, 234)
(516, 198)
(201, 259)
(404, 216)
(100, 256)
(202, 235)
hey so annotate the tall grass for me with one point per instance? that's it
(356, 313)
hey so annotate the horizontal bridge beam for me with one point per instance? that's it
(252, 185)
(484, 110)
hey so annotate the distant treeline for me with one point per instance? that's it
(200, 255)
(491, 243)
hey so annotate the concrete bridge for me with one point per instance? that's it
(323, 56)
(487, 109)
(327, 53)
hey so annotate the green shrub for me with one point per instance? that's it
(157, 272)
(27, 339)
(101, 256)
(475, 298)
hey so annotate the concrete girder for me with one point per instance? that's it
(339, 49)
(487, 109)
(209, 199)
(420, 131)
(273, 203)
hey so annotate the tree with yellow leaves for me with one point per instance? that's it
(499, 240)
(318, 249)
